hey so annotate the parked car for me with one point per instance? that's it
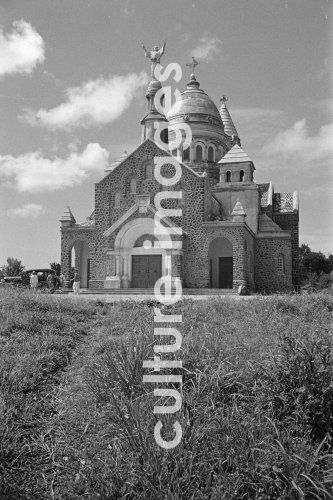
(12, 281)
(42, 276)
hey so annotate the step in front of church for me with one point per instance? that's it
(150, 291)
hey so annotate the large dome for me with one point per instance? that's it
(194, 101)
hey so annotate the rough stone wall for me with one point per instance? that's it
(70, 236)
(289, 222)
(249, 249)
(197, 261)
(118, 181)
(267, 278)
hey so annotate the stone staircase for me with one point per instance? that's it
(150, 291)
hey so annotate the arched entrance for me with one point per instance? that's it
(221, 263)
(139, 263)
(80, 261)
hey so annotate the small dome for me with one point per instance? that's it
(153, 87)
(194, 101)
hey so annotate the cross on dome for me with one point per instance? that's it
(193, 64)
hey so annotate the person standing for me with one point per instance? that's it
(33, 281)
(76, 284)
(62, 281)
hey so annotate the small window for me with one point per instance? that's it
(228, 176)
(117, 200)
(186, 154)
(198, 153)
(210, 153)
(149, 171)
(241, 176)
(280, 264)
(133, 186)
(174, 152)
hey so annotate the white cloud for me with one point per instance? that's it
(207, 47)
(21, 50)
(93, 103)
(31, 172)
(27, 210)
(296, 143)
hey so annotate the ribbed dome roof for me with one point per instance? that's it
(194, 101)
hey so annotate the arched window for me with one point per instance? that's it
(210, 153)
(241, 176)
(133, 186)
(186, 154)
(117, 198)
(280, 264)
(228, 176)
(149, 171)
(198, 153)
(165, 136)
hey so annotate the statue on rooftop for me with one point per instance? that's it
(154, 55)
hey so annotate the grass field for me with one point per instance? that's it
(76, 421)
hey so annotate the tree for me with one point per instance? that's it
(56, 267)
(314, 266)
(14, 267)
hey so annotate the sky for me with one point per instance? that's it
(72, 93)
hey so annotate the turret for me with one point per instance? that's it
(236, 167)
(67, 219)
(228, 124)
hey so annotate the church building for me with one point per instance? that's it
(234, 231)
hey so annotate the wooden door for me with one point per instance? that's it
(225, 272)
(146, 269)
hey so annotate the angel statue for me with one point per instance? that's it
(154, 55)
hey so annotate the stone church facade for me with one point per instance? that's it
(234, 231)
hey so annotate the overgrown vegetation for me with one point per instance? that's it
(257, 406)
(315, 269)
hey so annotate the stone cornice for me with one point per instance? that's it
(235, 187)
(227, 224)
(74, 229)
(280, 235)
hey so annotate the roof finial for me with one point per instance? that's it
(224, 98)
(193, 83)
(192, 65)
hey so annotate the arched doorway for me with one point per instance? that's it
(80, 261)
(221, 263)
(140, 262)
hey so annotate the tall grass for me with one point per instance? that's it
(257, 403)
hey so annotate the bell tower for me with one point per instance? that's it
(154, 124)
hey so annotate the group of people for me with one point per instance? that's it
(55, 282)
